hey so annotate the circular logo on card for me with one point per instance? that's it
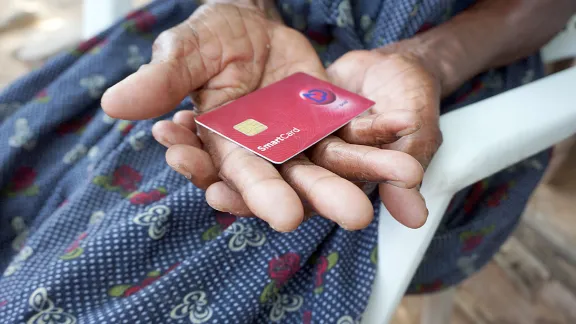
(318, 96)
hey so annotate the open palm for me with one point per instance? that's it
(395, 81)
(219, 54)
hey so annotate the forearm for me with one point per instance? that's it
(490, 34)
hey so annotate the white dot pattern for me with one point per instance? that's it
(107, 232)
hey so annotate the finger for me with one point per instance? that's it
(421, 145)
(378, 129)
(365, 163)
(220, 197)
(193, 163)
(186, 57)
(350, 69)
(298, 56)
(154, 89)
(262, 188)
(169, 133)
(407, 206)
(328, 194)
(186, 118)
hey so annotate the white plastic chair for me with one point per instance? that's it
(479, 140)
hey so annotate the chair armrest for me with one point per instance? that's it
(563, 46)
(479, 140)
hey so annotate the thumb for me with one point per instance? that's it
(177, 68)
(349, 70)
(185, 58)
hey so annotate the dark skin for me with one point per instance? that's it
(223, 52)
(214, 58)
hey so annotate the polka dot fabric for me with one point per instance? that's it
(96, 228)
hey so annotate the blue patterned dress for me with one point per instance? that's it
(96, 228)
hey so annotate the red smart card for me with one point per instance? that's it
(283, 119)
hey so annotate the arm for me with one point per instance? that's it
(490, 34)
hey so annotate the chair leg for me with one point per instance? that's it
(438, 307)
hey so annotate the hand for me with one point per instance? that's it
(219, 54)
(396, 80)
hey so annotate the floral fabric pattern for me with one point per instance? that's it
(97, 228)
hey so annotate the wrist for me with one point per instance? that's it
(435, 61)
(447, 58)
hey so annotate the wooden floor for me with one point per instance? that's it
(531, 281)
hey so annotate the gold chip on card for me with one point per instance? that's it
(250, 127)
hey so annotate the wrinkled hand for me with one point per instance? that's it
(219, 54)
(396, 81)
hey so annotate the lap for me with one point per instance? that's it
(96, 227)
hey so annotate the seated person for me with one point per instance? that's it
(96, 227)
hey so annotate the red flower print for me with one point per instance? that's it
(73, 126)
(126, 178)
(323, 265)
(23, 178)
(283, 268)
(322, 268)
(307, 317)
(472, 242)
(131, 291)
(3, 303)
(430, 287)
(141, 20)
(128, 290)
(127, 128)
(225, 219)
(318, 37)
(499, 195)
(133, 14)
(146, 198)
(476, 87)
(145, 22)
(86, 46)
(74, 250)
(42, 94)
(474, 197)
(172, 268)
(76, 243)
(148, 281)
(425, 27)
(152, 277)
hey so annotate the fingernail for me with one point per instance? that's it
(277, 230)
(164, 141)
(407, 131)
(343, 225)
(398, 184)
(182, 170)
(220, 209)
